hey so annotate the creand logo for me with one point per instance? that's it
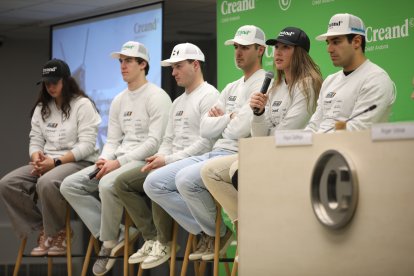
(389, 32)
(146, 27)
(230, 7)
(284, 33)
(48, 70)
(335, 24)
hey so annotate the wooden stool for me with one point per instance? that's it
(217, 244)
(235, 264)
(191, 246)
(92, 243)
(50, 258)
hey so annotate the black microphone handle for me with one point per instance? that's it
(263, 90)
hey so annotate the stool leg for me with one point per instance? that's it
(186, 254)
(235, 264)
(173, 248)
(49, 266)
(88, 255)
(68, 242)
(226, 265)
(19, 257)
(217, 240)
(140, 270)
(126, 239)
(196, 263)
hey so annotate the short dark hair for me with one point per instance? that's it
(261, 57)
(349, 37)
(202, 64)
(140, 60)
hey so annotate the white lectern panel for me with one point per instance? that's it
(279, 233)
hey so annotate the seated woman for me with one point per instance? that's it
(62, 141)
(288, 104)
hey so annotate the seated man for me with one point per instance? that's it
(137, 120)
(182, 139)
(359, 85)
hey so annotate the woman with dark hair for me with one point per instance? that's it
(62, 142)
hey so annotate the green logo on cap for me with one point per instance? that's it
(128, 47)
(242, 32)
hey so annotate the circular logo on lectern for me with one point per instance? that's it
(334, 190)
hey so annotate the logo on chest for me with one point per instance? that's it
(179, 113)
(330, 95)
(52, 125)
(127, 113)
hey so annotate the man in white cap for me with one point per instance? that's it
(361, 87)
(181, 140)
(137, 120)
(184, 196)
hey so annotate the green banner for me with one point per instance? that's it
(389, 35)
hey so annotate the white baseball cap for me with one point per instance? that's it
(343, 24)
(132, 49)
(248, 35)
(182, 52)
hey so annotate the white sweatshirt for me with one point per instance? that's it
(182, 137)
(284, 110)
(57, 135)
(233, 99)
(136, 124)
(342, 97)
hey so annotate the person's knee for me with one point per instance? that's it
(43, 185)
(185, 184)
(120, 184)
(66, 186)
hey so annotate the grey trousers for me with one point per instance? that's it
(19, 190)
(155, 224)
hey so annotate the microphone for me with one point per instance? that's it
(372, 107)
(94, 173)
(266, 82)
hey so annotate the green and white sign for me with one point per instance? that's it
(389, 35)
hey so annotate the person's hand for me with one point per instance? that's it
(42, 165)
(412, 96)
(153, 162)
(258, 100)
(215, 112)
(106, 167)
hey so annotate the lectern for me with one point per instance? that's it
(369, 206)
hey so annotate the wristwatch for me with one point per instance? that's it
(57, 161)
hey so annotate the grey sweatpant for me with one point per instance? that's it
(17, 192)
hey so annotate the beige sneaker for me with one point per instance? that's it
(225, 241)
(59, 244)
(202, 246)
(44, 243)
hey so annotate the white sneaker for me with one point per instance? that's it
(142, 253)
(201, 248)
(159, 254)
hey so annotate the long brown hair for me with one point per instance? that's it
(70, 90)
(304, 72)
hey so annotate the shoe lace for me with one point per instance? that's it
(59, 239)
(42, 237)
(158, 249)
(147, 247)
(104, 256)
(203, 243)
(210, 245)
